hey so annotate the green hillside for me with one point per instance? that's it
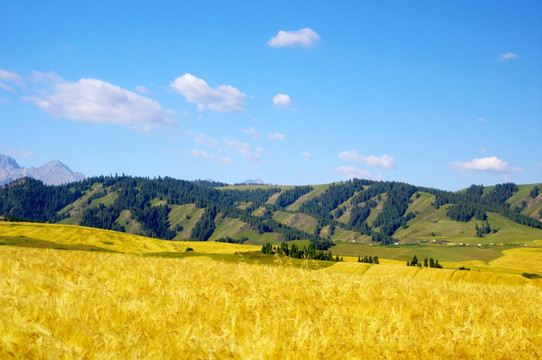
(318, 189)
(351, 212)
(299, 221)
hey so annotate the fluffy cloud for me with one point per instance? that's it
(306, 155)
(482, 119)
(489, 164)
(282, 101)
(142, 89)
(384, 162)
(205, 155)
(251, 132)
(202, 139)
(245, 150)
(305, 38)
(351, 172)
(97, 101)
(223, 99)
(507, 57)
(242, 148)
(9, 77)
(276, 137)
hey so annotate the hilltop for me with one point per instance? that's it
(356, 211)
(353, 212)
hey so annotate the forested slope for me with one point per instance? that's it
(356, 210)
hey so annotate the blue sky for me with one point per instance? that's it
(439, 93)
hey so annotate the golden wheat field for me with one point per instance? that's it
(112, 240)
(71, 304)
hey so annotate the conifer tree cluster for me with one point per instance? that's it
(368, 260)
(484, 229)
(432, 263)
(299, 253)
(105, 202)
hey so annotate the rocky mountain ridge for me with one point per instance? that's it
(51, 173)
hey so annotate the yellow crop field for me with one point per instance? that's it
(111, 240)
(73, 304)
(520, 260)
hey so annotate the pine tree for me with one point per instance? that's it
(478, 231)
(534, 192)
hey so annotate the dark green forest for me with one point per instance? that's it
(150, 201)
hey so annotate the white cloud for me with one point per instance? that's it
(245, 150)
(20, 153)
(251, 132)
(276, 137)
(223, 99)
(482, 119)
(350, 172)
(200, 153)
(202, 139)
(305, 38)
(306, 155)
(97, 101)
(142, 90)
(490, 164)
(242, 148)
(205, 155)
(384, 162)
(282, 101)
(507, 57)
(9, 77)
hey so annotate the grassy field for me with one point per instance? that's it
(430, 225)
(131, 225)
(76, 209)
(507, 258)
(404, 253)
(348, 236)
(522, 194)
(228, 227)
(187, 216)
(318, 189)
(377, 210)
(299, 221)
(72, 304)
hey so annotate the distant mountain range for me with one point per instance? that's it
(52, 173)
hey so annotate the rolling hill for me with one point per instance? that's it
(356, 211)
